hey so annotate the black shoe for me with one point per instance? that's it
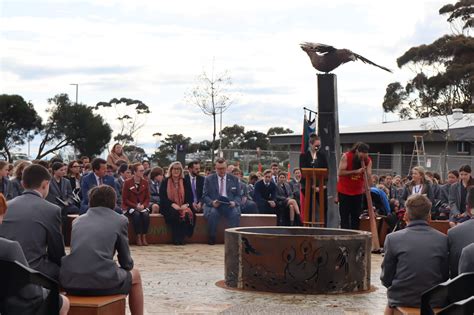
(212, 241)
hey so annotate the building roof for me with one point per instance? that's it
(421, 124)
(398, 131)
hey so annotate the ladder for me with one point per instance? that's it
(418, 156)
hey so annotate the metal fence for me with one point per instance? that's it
(248, 161)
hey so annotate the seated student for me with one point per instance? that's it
(17, 186)
(136, 202)
(461, 235)
(97, 236)
(123, 173)
(285, 202)
(5, 184)
(29, 298)
(466, 261)
(416, 258)
(60, 194)
(265, 194)
(247, 205)
(253, 179)
(36, 223)
(156, 177)
(457, 196)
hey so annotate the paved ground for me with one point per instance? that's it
(182, 280)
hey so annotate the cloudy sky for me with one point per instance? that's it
(154, 50)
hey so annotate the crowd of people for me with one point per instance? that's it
(104, 192)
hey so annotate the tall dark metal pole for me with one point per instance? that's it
(328, 131)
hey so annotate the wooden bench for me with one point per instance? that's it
(160, 233)
(97, 305)
(383, 229)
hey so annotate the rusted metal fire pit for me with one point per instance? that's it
(297, 259)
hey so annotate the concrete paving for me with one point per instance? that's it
(182, 280)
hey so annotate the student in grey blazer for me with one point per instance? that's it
(60, 194)
(30, 298)
(221, 197)
(466, 262)
(460, 236)
(36, 223)
(90, 268)
(416, 258)
(457, 196)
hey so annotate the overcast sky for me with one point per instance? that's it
(154, 50)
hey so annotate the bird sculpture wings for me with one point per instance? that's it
(326, 58)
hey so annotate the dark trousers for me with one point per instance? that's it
(350, 208)
(140, 221)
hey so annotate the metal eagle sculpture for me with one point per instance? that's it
(326, 58)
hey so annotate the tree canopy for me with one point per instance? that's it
(444, 71)
(131, 115)
(73, 125)
(19, 121)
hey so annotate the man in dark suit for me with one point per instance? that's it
(265, 194)
(196, 182)
(416, 258)
(460, 236)
(221, 197)
(36, 223)
(30, 298)
(466, 262)
(95, 178)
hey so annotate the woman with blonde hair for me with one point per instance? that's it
(115, 155)
(418, 185)
(176, 206)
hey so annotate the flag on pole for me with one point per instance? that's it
(309, 127)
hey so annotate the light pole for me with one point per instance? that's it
(77, 90)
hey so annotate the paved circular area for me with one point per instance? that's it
(182, 280)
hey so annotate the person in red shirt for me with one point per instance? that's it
(350, 184)
(136, 202)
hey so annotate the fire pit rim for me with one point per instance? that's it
(351, 233)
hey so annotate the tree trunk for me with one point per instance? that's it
(213, 137)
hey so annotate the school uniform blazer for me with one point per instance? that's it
(36, 224)
(454, 199)
(87, 183)
(281, 195)
(425, 190)
(154, 192)
(7, 188)
(131, 196)
(29, 298)
(265, 193)
(416, 259)
(459, 237)
(211, 189)
(466, 262)
(96, 237)
(17, 188)
(62, 190)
